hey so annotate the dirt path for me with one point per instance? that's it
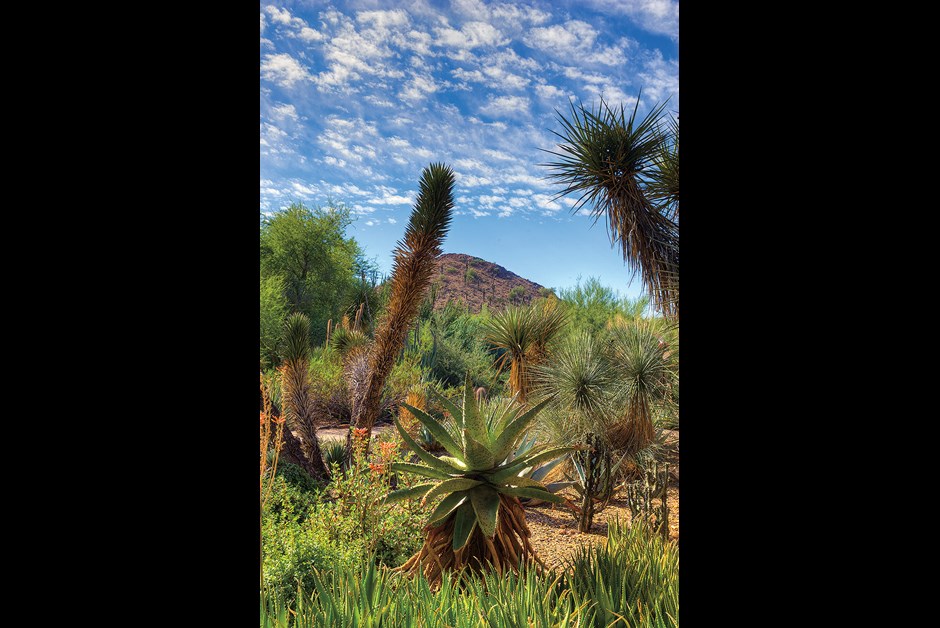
(339, 433)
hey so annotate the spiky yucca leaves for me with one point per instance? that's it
(480, 520)
(344, 341)
(646, 364)
(296, 398)
(663, 188)
(412, 271)
(524, 334)
(606, 158)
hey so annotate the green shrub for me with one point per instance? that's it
(294, 541)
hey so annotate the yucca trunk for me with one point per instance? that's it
(413, 269)
(299, 410)
(509, 550)
(518, 378)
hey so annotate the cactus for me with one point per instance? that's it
(640, 496)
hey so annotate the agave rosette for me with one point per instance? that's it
(481, 464)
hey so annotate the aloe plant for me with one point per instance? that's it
(480, 519)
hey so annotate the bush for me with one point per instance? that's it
(294, 543)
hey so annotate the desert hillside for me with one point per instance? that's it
(476, 281)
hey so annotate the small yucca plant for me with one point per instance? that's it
(480, 519)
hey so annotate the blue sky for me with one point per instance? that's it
(358, 97)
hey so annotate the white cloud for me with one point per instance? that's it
(655, 16)
(503, 79)
(283, 69)
(469, 180)
(575, 40)
(659, 79)
(392, 221)
(471, 35)
(279, 16)
(284, 112)
(308, 34)
(550, 92)
(468, 75)
(418, 88)
(545, 202)
(371, 223)
(262, 22)
(384, 20)
(490, 201)
(506, 106)
(499, 155)
(468, 163)
(303, 190)
(390, 196)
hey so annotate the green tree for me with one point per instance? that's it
(274, 310)
(623, 170)
(307, 249)
(592, 306)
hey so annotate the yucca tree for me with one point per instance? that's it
(607, 159)
(580, 377)
(296, 398)
(644, 357)
(480, 519)
(523, 333)
(412, 271)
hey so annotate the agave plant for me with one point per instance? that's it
(480, 519)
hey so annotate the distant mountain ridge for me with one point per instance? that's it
(476, 281)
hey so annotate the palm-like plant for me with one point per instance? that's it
(480, 519)
(523, 333)
(298, 402)
(607, 158)
(412, 272)
(646, 366)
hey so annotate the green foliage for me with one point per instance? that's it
(516, 293)
(631, 582)
(294, 539)
(274, 310)
(471, 276)
(591, 306)
(304, 529)
(309, 253)
(357, 513)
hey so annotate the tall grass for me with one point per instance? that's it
(632, 582)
